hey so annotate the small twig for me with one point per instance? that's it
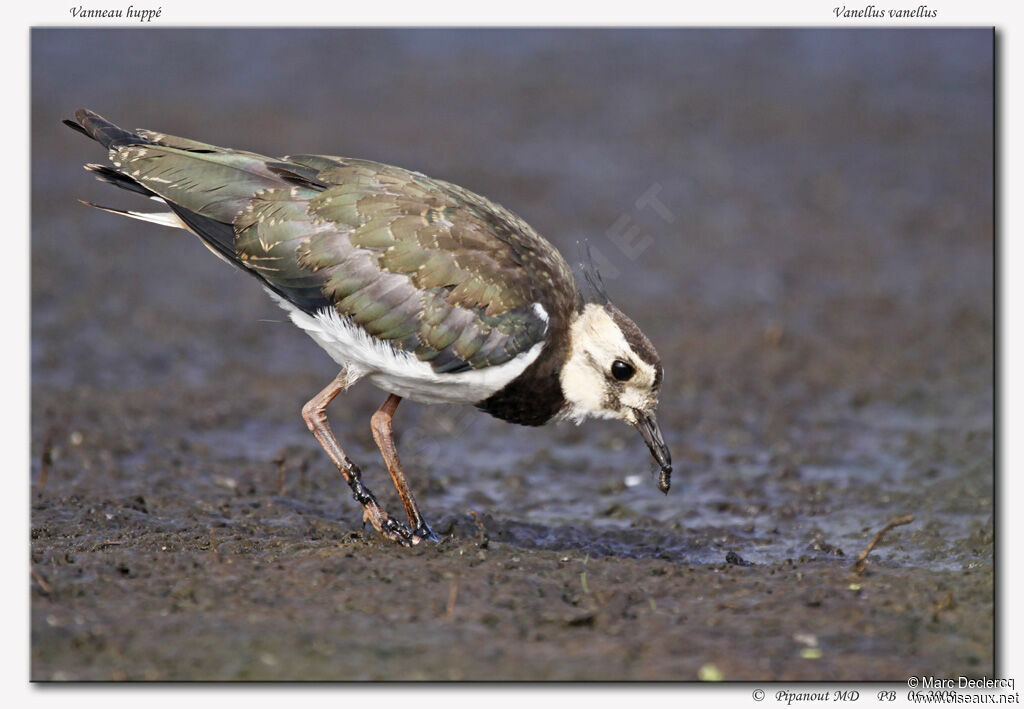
(280, 472)
(45, 461)
(104, 544)
(860, 563)
(453, 594)
(484, 538)
(47, 589)
(213, 541)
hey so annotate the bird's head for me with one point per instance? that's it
(613, 371)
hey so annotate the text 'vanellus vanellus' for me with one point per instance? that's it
(426, 289)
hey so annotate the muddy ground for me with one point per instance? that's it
(817, 274)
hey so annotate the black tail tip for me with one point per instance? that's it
(84, 114)
(74, 126)
(100, 129)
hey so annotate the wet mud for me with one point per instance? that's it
(800, 221)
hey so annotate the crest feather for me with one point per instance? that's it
(591, 275)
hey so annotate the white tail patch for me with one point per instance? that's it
(163, 218)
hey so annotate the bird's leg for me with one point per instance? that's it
(314, 413)
(380, 424)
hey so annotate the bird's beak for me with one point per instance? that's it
(648, 427)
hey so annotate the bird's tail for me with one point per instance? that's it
(103, 131)
(216, 235)
(95, 126)
(204, 187)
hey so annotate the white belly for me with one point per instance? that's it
(398, 372)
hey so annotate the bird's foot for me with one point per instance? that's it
(389, 528)
(424, 532)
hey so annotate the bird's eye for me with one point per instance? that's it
(622, 371)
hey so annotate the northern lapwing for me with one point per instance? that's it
(428, 290)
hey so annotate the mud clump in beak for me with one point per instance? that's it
(648, 427)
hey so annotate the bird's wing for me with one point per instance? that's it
(432, 268)
(428, 266)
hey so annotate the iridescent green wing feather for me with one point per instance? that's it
(434, 269)
(430, 267)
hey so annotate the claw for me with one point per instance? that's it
(425, 533)
(398, 532)
(388, 528)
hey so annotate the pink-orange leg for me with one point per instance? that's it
(380, 424)
(314, 413)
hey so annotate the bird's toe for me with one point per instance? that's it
(425, 533)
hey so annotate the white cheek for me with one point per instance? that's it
(596, 342)
(581, 387)
(634, 399)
